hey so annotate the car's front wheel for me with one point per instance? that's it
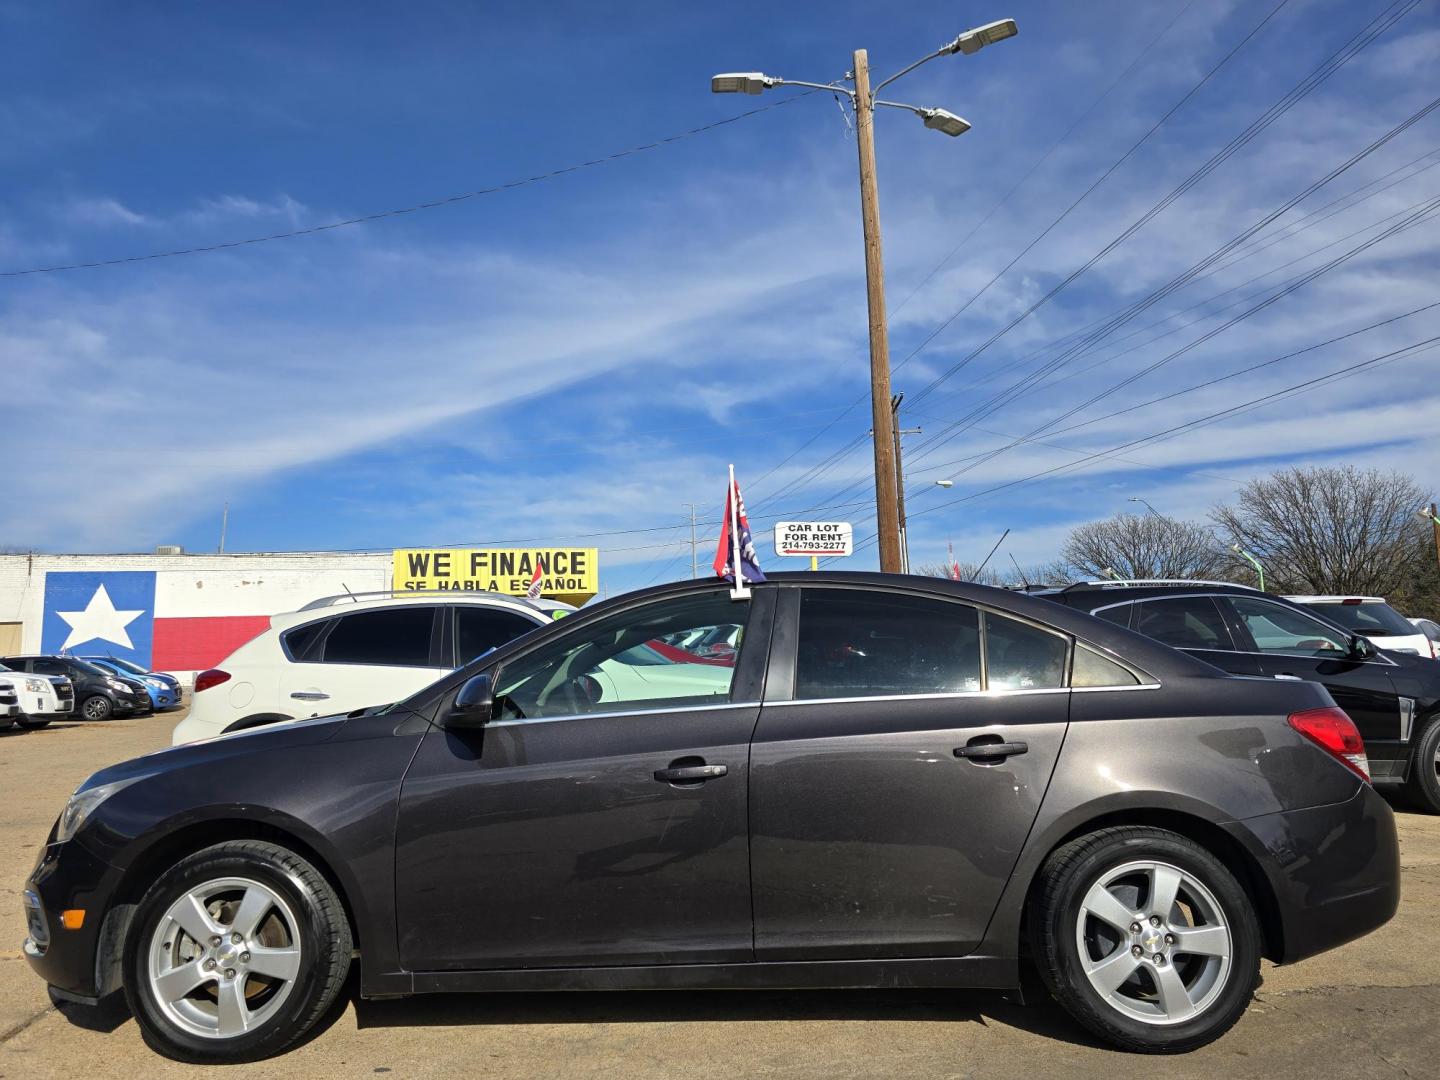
(234, 953)
(97, 707)
(1424, 782)
(1145, 938)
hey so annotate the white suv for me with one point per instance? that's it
(1371, 616)
(349, 652)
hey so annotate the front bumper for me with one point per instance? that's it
(67, 877)
(1334, 870)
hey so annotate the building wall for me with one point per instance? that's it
(189, 611)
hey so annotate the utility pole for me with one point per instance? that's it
(887, 511)
(694, 558)
(898, 431)
(1435, 528)
(863, 100)
(224, 523)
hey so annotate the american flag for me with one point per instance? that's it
(725, 553)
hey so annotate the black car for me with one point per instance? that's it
(892, 781)
(1394, 698)
(99, 694)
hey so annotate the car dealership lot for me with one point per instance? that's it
(1365, 1010)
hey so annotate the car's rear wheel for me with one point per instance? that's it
(1424, 783)
(97, 707)
(33, 723)
(235, 952)
(1145, 938)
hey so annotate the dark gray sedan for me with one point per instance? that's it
(888, 781)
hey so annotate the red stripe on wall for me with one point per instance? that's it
(200, 643)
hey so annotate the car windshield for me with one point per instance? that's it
(89, 668)
(1367, 618)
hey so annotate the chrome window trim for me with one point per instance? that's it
(624, 712)
(1113, 689)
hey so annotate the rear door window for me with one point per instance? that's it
(1184, 622)
(397, 637)
(1119, 614)
(1019, 656)
(854, 643)
(480, 629)
(302, 641)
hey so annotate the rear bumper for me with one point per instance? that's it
(1334, 870)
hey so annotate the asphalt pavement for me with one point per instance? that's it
(1370, 1009)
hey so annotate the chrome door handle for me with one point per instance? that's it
(691, 774)
(309, 695)
(980, 751)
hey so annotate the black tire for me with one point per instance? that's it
(1070, 873)
(1423, 787)
(97, 707)
(33, 723)
(322, 934)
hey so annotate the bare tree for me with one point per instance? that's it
(1332, 530)
(1147, 546)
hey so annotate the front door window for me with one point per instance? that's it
(659, 656)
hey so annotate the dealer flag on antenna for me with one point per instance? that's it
(735, 539)
(533, 592)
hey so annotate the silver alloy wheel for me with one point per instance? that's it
(224, 957)
(96, 708)
(1154, 942)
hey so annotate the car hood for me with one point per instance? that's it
(222, 747)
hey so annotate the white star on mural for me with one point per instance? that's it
(99, 622)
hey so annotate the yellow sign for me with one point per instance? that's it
(568, 574)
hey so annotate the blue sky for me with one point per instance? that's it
(584, 355)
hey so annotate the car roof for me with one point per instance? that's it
(327, 606)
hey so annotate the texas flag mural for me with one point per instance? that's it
(122, 613)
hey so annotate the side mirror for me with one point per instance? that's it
(1361, 648)
(474, 704)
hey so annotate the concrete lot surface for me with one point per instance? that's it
(1371, 1009)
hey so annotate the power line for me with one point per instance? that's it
(1305, 386)
(1302, 89)
(433, 204)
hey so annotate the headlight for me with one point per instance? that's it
(116, 684)
(36, 686)
(83, 803)
(158, 684)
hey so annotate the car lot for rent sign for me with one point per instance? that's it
(568, 574)
(814, 538)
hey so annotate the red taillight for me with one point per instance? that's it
(207, 679)
(1333, 731)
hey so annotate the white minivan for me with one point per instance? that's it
(352, 651)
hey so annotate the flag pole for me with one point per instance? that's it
(741, 591)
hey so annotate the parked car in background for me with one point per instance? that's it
(1393, 697)
(899, 781)
(346, 652)
(32, 701)
(164, 690)
(1431, 630)
(1372, 616)
(99, 694)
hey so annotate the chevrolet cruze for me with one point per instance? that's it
(885, 782)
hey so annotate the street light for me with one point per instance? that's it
(945, 483)
(863, 100)
(1253, 561)
(1137, 499)
(972, 41)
